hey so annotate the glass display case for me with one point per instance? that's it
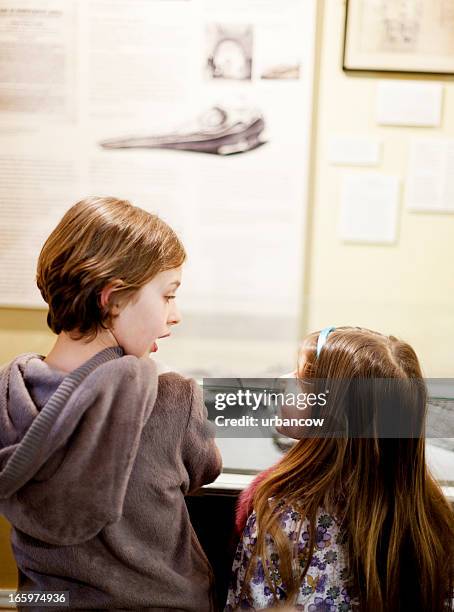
(245, 457)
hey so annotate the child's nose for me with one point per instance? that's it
(174, 316)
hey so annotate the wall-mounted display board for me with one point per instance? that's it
(199, 110)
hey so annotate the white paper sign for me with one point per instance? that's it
(369, 208)
(409, 103)
(430, 176)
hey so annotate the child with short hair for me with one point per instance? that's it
(352, 521)
(96, 450)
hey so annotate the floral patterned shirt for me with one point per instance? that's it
(323, 588)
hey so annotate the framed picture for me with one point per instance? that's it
(415, 36)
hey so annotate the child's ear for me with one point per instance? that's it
(107, 297)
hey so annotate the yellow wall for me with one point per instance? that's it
(23, 331)
(406, 289)
(8, 572)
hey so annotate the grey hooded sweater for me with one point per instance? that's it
(94, 466)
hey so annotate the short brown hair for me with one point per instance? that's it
(98, 241)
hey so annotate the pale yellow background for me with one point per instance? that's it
(406, 289)
(8, 573)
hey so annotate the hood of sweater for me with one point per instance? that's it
(68, 442)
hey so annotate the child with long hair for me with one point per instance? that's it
(97, 450)
(350, 521)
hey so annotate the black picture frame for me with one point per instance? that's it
(392, 61)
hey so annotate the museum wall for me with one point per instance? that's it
(405, 288)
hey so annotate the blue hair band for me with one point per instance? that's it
(323, 335)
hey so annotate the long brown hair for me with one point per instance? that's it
(397, 525)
